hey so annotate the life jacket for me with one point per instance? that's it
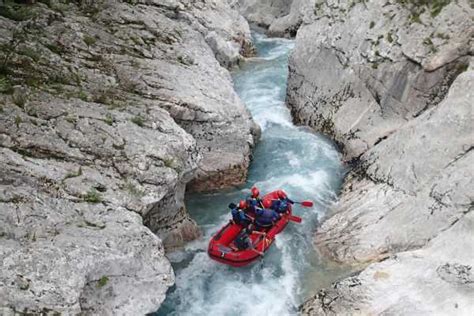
(265, 217)
(238, 216)
(280, 206)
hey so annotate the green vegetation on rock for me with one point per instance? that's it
(5, 85)
(102, 281)
(137, 119)
(89, 40)
(134, 190)
(16, 12)
(92, 196)
(419, 6)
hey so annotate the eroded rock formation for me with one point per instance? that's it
(107, 110)
(391, 83)
(279, 17)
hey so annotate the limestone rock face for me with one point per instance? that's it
(435, 280)
(264, 12)
(392, 84)
(280, 17)
(415, 184)
(360, 71)
(107, 110)
(224, 29)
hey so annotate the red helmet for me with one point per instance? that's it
(281, 194)
(267, 203)
(242, 204)
(255, 192)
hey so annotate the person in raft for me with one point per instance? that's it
(253, 201)
(239, 212)
(278, 201)
(265, 217)
(242, 241)
(239, 215)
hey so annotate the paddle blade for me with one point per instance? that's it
(295, 219)
(307, 203)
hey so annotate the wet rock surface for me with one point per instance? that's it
(392, 84)
(107, 110)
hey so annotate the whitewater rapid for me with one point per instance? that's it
(304, 164)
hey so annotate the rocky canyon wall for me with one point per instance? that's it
(279, 17)
(392, 83)
(107, 110)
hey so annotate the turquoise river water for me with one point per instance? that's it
(303, 163)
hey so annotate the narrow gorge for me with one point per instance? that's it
(127, 127)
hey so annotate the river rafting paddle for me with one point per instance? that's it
(305, 203)
(295, 219)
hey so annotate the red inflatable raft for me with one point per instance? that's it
(222, 248)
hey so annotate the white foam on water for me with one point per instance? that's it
(206, 287)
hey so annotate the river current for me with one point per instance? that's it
(303, 163)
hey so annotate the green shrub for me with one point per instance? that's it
(57, 5)
(18, 121)
(56, 48)
(83, 96)
(92, 196)
(137, 119)
(89, 40)
(30, 52)
(419, 6)
(5, 85)
(16, 12)
(102, 281)
(415, 18)
(443, 36)
(133, 190)
(372, 24)
(169, 162)
(109, 119)
(438, 5)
